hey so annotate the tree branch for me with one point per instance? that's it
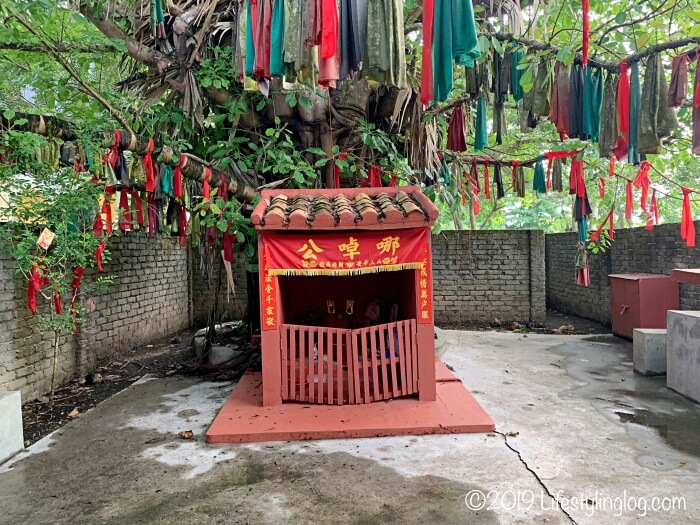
(134, 48)
(59, 58)
(33, 47)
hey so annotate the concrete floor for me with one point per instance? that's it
(589, 433)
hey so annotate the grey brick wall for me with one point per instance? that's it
(148, 300)
(204, 284)
(634, 250)
(482, 275)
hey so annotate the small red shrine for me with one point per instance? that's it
(347, 321)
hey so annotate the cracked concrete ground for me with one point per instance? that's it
(573, 423)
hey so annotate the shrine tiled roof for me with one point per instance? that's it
(353, 208)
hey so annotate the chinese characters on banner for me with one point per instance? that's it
(345, 253)
(269, 297)
(425, 289)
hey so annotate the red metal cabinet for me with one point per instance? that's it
(641, 300)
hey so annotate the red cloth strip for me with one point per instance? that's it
(585, 4)
(514, 164)
(687, 225)
(601, 187)
(177, 177)
(611, 166)
(150, 169)
(182, 224)
(487, 184)
(228, 243)
(107, 210)
(336, 170)
(596, 234)
(206, 189)
(98, 226)
(112, 154)
(642, 181)
(375, 177)
(623, 107)
(138, 205)
(98, 254)
(223, 188)
(426, 79)
(57, 305)
(394, 179)
(629, 201)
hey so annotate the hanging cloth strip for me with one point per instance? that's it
(576, 103)
(481, 139)
(312, 23)
(542, 96)
(656, 119)
(513, 172)
(633, 156)
(98, 226)
(137, 205)
(500, 89)
(37, 280)
(385, 55)
(455, 131)
(653, 214)
(152, 216)
(125, 220)
(426, 82)
(516, 74)
(99, 252)
(206, 187)
(601, 187)
(629, 201)
(166, 179)
(583, 275)
(149, 167)
(611, 229)
(585, 5)
(278, 22)
(642, 181)
(557, 176)
(498, 181)
(559, 110)
(107, 211)
(329, 28)
(222, 193)
(177, 178)
(182, 224)
(487, 183)
(678, 90)
(336, 170)
(538, 182)
(687, 225)
(454, 39)
(445, 170)
(607, 139)
(353, 33)
(552, 157)
(592, 102)
(375, 177)
(623, 110)
(263, 39)
(520, 182)
(696, 111)
(474, 188)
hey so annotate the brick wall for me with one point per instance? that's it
(634, 250)
(148, 300)
(204, 278)
(482, 275)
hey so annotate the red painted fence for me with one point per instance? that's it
(337, 366)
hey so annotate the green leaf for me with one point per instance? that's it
(317, 151)
(269, 132)
(240, 237)
(214, 208)
(177, 118)
(621, 17)
(527, 81)
(694, 31)
(566, 55)
(222, 225)
(306, 103)
(497, 45)
(8, 114)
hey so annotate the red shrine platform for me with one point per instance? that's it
(244, 419)
(348, 341)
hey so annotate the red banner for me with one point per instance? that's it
(425, 289)
(346, 253)
(269, 297)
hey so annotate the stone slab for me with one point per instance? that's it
(11, 433)
(683, 353)
(649, 351)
